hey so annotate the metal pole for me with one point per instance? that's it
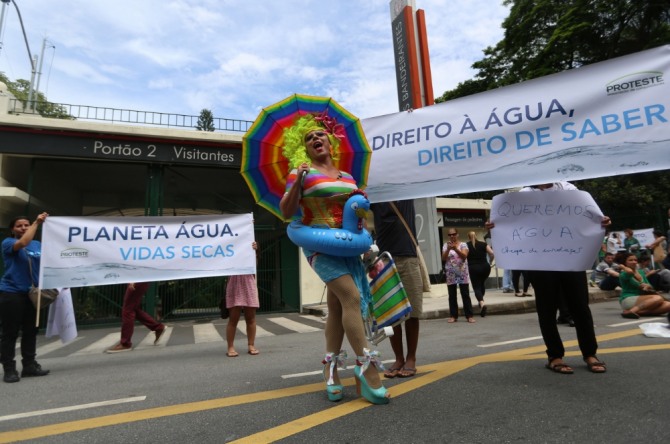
(39, 70)
(29, 103)
(2, 19)
(30, 54)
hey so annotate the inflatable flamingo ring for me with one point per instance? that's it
(350, 240)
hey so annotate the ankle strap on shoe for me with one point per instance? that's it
(370, 357)
(335, 361)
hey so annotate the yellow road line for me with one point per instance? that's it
(427, 375)
(158, 412)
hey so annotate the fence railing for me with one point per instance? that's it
(151, 118)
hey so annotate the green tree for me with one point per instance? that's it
(205, 121)
(20, 89)
(544, 37)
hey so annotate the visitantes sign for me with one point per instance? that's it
(605, 119)
(104, 147)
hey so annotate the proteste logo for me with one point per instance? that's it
(72, 253)
(634, 82)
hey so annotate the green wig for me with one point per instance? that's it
(294, 148)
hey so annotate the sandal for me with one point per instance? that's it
(559, 367)
(407, 372)
(330, 363)
(630, 315)
(392, 372)
(452, 320)
(596, 366)
(471, 320)
(374, 395)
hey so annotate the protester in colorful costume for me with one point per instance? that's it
(319, 190)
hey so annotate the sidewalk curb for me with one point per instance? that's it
(440, 304)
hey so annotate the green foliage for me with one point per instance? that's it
(205, 121)
(21, 88)
(548, 36)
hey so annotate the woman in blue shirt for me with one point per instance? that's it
(16, 310)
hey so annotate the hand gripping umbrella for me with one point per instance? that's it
(265, 168)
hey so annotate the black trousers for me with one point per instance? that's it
(516, 274)
(18, 314)
(549, 286)
(478, 275)
(453, 301)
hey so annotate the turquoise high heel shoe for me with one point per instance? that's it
(331, 362)
(375, 396)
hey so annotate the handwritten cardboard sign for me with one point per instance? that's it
(546, 230)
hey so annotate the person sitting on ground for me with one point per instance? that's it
(638, 297)
(657, 277)
(607, 274)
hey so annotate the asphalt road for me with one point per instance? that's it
(477, 383)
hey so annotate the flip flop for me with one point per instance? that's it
(232, 355)
(253, 352)
(407, 372)
(392, 372)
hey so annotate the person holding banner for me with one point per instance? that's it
(549, 287)
(319, 189)
(21, 254)
(393, 237)
(242, 294)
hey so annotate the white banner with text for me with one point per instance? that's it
(84, 251)
(549, 230)
(606, 119)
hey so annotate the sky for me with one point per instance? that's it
(235, 57)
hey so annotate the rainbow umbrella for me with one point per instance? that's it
(265, 168)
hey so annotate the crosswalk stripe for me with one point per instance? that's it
(52, 346)
(293, 325)
(206, 333)
(100, 345)
(261, 332)
(202, 333)
(149, 339)
(314, 318)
